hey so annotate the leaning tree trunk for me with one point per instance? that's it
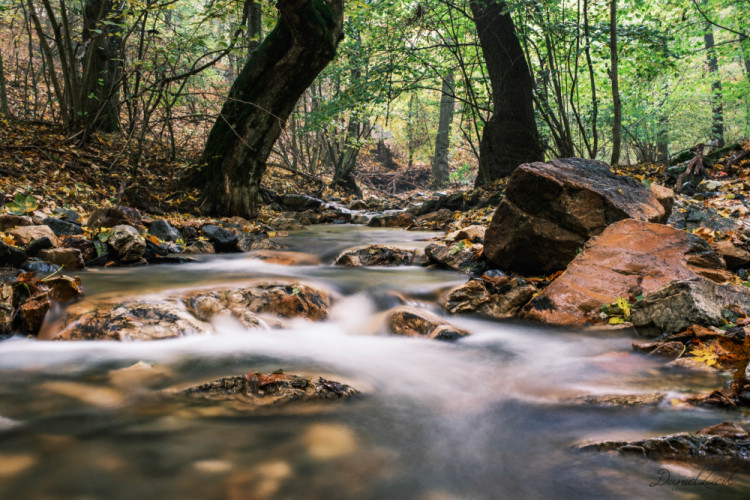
(261, 99)
(510, 136)
(440, 165)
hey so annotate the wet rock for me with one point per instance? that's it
(630, 257)
(459, 257)
(33, 311)
(131, 320)
(691, 364)
(376, 255)
(551, 209)
(620, 400)
(335, 217)
(114, 216)
(68, 215)
(255, 241)
(680, 304)
(26, 234)
(502, 298)
(164, 231)
(442, 216)
(189, 233)
(40, 267)
(287, 300)
(206, 305)
(61, 227)
(718, 449)
(38, 245)
(69, 258)
(84, 245)
(222, 240)
(272, 389)
(11, 256)
(6, 308)
(127, 243)
(286, 258)
(736, 257)
(413, 322)
(725, 429)
(199, 247)
(402, 219)
(286, 224)
(9, 221)
(664, 196)
(358, 205)
(63, 289)
(300, 202)
(474, 234)
(687, 215)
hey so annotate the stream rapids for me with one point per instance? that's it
(488, 416)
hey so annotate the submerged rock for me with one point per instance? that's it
(629, 258)
(713, 445)
(619, 400)
(376, 255)
(413, 322)
(551, 209)
(272, 389)
(286, 258)
(499, 298)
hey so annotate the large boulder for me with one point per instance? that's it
(460, 256)
(401, 219)
(300, 202)
(62, 227)
(551, 209)
(9, 221)
(114, 216)
(220, 238)
(164, 230)
(26, 234)
(69, 258)
(629, 258)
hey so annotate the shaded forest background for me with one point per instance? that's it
(409, 86)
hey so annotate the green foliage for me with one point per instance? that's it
(22, 204)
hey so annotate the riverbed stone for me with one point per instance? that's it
(551, 209)
(414, 322)
(6, 307)
(499, 298)
(257, 389)
(11, 256)
(114, 216)
(401, 219)
(220, 238)
(680, 304)
(26, 234)
(474, 233)
(163, 230)
(300, 202)
(629, 258)
(62, 227)
(38, 245)
(69, 258)
(85, 245)
(726, 450)
(286, 258)
(199, 247)
(736, 257)
(10, 221)
(376, 255)
(459, 256)
(127, 243)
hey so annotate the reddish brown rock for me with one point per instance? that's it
(286, 258)
(735, 257)
(9, 221)
(401, 219)
(414, 322)
(86, 246)
(114, 216)
(551, 209)
(629, 257)
(376, 255)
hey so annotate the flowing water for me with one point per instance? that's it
(484, 417)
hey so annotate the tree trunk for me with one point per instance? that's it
(662, 140)
(717, 107)
(616, 104)
(100, 67)
(254, 32)
(440, 165)
(303, 42)
(4, 109)
(410, 132)
(510, 136)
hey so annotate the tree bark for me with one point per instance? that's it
(717, 107)
(254, 32)
(510, 136)
(440, 165)
(261, 99)
(616, 104)
(662, 140)
(100, 70)
(4, 109)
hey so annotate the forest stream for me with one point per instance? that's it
(492, 415)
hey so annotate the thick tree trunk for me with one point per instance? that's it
(510, 136)
(440, 165)
(717, 107)
(100, 71)
(303, 42)
(4, 109)
(616, 104)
